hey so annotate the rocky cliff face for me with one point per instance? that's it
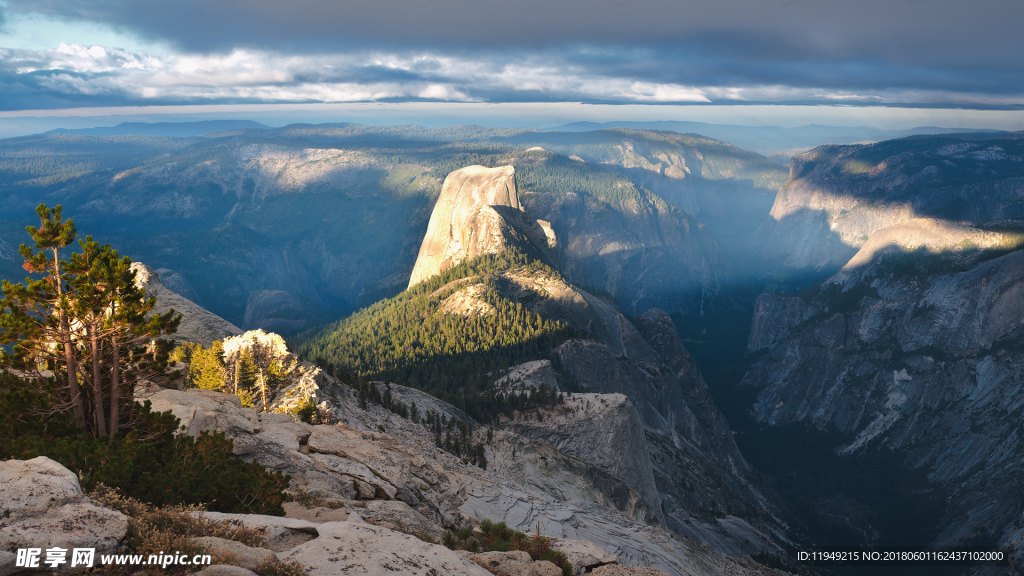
(911, 348)
(838, 197)
(197, 324)
(604, 431)
(477, 213)
(911, 355)
(703, 482)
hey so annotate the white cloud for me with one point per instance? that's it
(263, 76)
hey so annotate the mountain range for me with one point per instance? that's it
(864, 386)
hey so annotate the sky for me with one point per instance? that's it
(776, 61)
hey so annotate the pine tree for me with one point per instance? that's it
(86, 319)
(207, 369)
(34, 318)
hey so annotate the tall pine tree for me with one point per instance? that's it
(84, 321)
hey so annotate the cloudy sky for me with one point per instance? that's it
(899, 54)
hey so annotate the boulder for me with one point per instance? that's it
(28, 486)
(392, 463)
(367, 484)
(7, 561)
(279, 533)
(289, 434)
(516, 563)
(366, 550)
(404, 517)
(235, 552)
(207, 411)
(42, 506)
(584, 555)
(616, 570)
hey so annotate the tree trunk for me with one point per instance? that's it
(77, 410)
(263, 389)
(115, 388)
(97, 383)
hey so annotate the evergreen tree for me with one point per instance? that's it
(207, 369)
(34, 318)
(85, 320)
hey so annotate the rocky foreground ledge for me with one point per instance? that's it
(43, 507)
(372, 494)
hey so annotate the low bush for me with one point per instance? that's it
(498, 537)
(151, 463)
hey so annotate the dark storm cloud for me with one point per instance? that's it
(903, 31)
(869, 51)
(723, 68)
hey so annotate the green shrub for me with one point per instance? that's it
(28, 410)
(151, 463)
(306, 411)
(498, 537)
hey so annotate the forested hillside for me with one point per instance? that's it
(411, 339)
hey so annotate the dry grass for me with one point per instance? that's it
(310, 500)
(153, 530)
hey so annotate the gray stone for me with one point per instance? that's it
(528, 376)
(584, 555)
(403, 516)
(276, 418)
(407, 494)
(366, 550)
(28, 486)
(515, 563)
(207, 411)
(289, 434)
(42, 506)
(7, 562)
(280, 533)
(236, 553)
(225, 570)
(367, 483)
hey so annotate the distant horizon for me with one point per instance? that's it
(516, 115)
